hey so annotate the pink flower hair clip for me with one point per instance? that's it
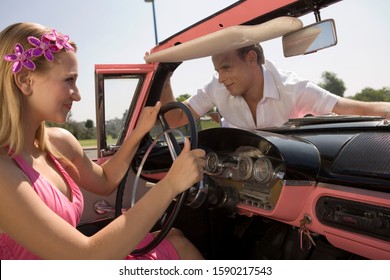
(20, 58)
(61, 41)
(49, 43)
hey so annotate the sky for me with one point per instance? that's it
(121, 31)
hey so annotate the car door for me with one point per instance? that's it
(121, 92)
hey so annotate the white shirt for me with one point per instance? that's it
(285, 96)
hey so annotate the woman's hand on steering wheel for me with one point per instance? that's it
(186, 170)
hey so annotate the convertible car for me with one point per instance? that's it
(317, 187)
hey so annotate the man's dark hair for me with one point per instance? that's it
(257, 48)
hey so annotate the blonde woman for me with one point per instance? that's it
(42, 169)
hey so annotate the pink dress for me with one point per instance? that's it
(70, 211)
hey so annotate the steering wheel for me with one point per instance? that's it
(198, 192)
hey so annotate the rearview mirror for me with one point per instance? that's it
(309, 39)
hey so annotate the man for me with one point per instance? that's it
(250, 92)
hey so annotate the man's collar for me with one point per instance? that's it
(270, 89)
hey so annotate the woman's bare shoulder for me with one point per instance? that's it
(64, 142)
(58, 133)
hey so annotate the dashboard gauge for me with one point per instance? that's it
(245, 168)
(262, 170)
(212, 163)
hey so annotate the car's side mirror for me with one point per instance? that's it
(311, 38)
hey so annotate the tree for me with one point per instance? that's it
(78, 129)
(89, 126)
(332, 83)
(183, 97)
(113, 127)
(370, 94)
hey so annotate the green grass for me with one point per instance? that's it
(88, 142)
(209, 124)
(93, 142)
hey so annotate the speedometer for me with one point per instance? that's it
(262, 170)
(212, 163)
(245, 168)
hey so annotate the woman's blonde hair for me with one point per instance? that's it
(11, 121)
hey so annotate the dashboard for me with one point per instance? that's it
(306, 176)
(257, 175)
